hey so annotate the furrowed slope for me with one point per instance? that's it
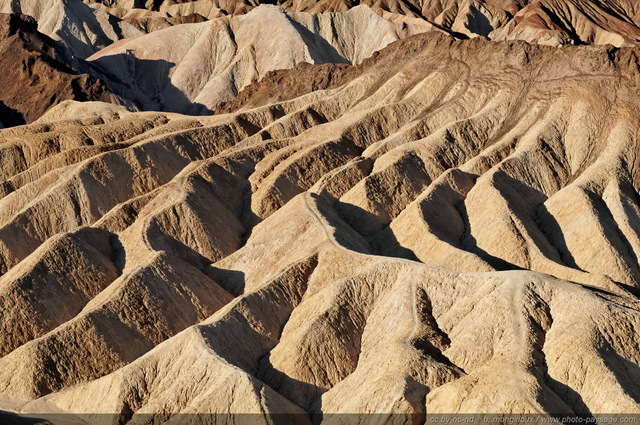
(35, 76)
(81, 28)
(194, 67)
(552, 22)
(151, 21)
(451, 226)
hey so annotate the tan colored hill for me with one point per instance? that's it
(191, 68)
(153, 20)
(195, 67)
(552, 22)
(451, 226)
(81, 28)
(556, 22)
(35, 76)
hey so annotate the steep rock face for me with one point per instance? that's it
(552, 22)
(152, 21)
(194, 67)
(34, 77)
(577, 22)
(450, 226)
(81, 28)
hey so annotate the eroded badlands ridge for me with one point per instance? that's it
(192, 68)
(451, 226)
(163, 56)
(35, 75)
(550, 22)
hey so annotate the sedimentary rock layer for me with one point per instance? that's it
(81, 28)
(192, 68)
(451, 226)
(553, 22)
(34, 74)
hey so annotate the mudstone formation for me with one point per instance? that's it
(305, 210)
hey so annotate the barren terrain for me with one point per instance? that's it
(418, 224)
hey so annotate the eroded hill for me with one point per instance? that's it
(192, 68)
(34, 75)
(450, 226)
(82, 29)
(550, 22)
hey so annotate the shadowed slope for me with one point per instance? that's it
(194, 67)
(34, 74)
(79, 27)
(552, 22)
(450, 226)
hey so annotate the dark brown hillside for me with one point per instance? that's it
(33, 77)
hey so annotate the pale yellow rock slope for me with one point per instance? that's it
(454, 227)
(81, 28)
(552, 22)
(191, 68)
